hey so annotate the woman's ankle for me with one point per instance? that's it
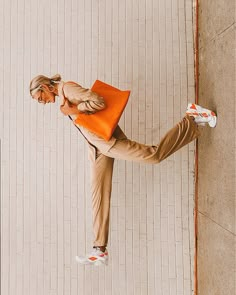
(102, 248)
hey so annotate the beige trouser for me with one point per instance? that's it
(183, 133)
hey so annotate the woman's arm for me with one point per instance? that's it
(86, 100)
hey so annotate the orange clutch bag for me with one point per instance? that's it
(104, 122)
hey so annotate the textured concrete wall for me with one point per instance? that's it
(142, 45)
(216, 240)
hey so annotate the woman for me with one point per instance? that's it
(102, 155)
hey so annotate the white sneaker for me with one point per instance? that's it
(96, 257)
(201, 115)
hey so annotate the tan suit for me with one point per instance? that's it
(103, 153)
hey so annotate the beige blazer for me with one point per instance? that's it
(88, 102)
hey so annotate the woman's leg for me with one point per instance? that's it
(101, 184)
(181, 134)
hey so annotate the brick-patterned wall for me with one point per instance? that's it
(144, 46)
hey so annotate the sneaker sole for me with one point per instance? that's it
(213, 122)
(96, 262)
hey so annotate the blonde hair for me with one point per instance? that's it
(36, 82)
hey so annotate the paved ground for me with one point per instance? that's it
(216, 239)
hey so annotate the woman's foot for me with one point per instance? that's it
(201, 115)
(96, 257)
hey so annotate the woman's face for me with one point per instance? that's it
(44, 96)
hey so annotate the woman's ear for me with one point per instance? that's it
(49, 88)
(45, 87)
